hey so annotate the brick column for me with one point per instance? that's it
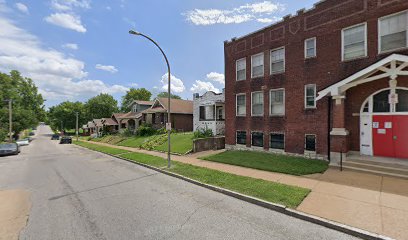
(339, 134)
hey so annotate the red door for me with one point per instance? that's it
(383, 143)
(401, 136)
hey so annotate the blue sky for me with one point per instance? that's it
(76, 49)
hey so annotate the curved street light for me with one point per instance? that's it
(168, 124)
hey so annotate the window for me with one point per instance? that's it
(354, 42)
(154, 118)
(202, 113)
(241, 105)
(393, 32)
(241, 137)
(257, 139)
(278, 60)
(380, 102)
(310, 142)
(241, 69)
(257, 104)
(402, 105)
(277, 102)
(310, 96)
(257, 65)
(310, 48)
(277, 141)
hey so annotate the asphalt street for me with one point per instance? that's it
(80, 194)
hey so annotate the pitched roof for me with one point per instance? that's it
(109, 122)
(98, 122)
(177, 105)
(141, 102)
(91, 124)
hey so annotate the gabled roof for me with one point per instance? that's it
(98, 122)
(141, 102)
(129, 115)
(176, 105)
(91, 124)
(109, 122)
(391, 66)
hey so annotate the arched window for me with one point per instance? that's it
(402, 105)
(380, 102)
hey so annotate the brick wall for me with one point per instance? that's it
(325, 22)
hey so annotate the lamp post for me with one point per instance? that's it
(168, 124)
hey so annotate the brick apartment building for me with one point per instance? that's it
(332, 79)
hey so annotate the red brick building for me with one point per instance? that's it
(330, 80)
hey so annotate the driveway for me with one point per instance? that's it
(79, 194)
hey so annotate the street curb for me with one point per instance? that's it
(353, 231)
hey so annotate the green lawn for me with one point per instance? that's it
(180, 143)
(289, 196)
(111, 139)
(135, 141)
(109, 150)
(270, 162)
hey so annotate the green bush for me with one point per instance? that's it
(146, 130)
(203, 133)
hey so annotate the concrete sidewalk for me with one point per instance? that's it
(374, 203)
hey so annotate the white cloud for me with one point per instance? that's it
(133, 85)
(108, 68)
(216, 77)
(240, 14)
(57, 76)
(22, 8)
(269, 20)
(72, 46)
(66, 20)
(67, 5)
(202, 87)
(176, 84)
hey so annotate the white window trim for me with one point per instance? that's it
(236, 104)
(284, 141)
(379, 33)
(236, 69)
(236, 137)
(315, 47)
(263, 68)
(365, 42)
(263, 110)
(263, 139)
(315, 91)
(270, 102)
(304, 148)
(284, 61)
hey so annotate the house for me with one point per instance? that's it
(209, 112)
(321, 84)
(89, 128)
(181, 114)
(110, 125)
(133, 119)
(98, 127)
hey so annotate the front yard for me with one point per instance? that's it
(270, 162)
(289, 196)
(181, 143)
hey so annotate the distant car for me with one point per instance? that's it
(34, 128)
(55, 137)
(30, 139)
(9, 149)
(31, 134)
(23, 142)
(66, 140)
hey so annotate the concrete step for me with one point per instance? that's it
(402, 164)
(393, 171)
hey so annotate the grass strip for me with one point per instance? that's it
(104, 149)
(270, 162)
(289, 196)
(180, 143)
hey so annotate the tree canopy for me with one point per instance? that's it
(166, 94)
(27, 103)
(63, 115)
(134, 94)
(101, 106)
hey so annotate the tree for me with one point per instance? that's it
(63, 115)
(27, 103)
(166, 94)
(134, 94)
(101, 106)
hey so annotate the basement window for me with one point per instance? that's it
(257, 139)
(310, 142)
(277, 141)
(241, 137)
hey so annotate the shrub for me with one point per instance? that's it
(203, 133)
(145, 130)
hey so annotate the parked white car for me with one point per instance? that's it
(23, 142)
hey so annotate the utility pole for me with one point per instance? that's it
(76, 128)
(10, 101)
